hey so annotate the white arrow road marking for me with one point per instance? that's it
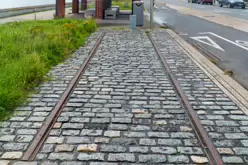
(243, 43)
(209, 43)
(227, 40)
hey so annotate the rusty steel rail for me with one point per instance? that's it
(51, 119)
(205, 141)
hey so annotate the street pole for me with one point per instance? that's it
(151, 13)
(57, 8)
(191, 4)
(35, 14)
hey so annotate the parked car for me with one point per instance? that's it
(232, 3)
(207, 2)
(193, 1)
(202, 1)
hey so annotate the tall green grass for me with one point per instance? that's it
(124, 4)
(29, 49)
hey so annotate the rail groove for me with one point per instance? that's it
(39, 139)
(206, 143)
(206, 52)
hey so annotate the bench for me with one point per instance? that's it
(118, 9)
(90, 13)
(111, 13)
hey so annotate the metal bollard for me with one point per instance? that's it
(132, 21)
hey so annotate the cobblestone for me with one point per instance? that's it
(12, 155)
(121, 157)
(149, 142)
(178, 159)
(60, 156)
(164, 150)
(4, 162)
(199, 159)
(15, 146)
(87, 157)
(232, 159)
(64, 148)
(87, 148)
(152, 158)
(112, 148)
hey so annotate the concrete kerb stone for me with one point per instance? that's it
(229, 86)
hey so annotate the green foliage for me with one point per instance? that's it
(29, 49)
(124, 4)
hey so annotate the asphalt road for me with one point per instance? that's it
(220, 42)
(235, 12)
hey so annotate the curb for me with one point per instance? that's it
(229, 86)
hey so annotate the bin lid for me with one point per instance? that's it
(138, 2)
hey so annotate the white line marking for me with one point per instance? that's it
(221, 11)
(231, 42)
(209, 43)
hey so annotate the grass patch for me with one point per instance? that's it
(124, 4)
(164, 27)
(120, 28)
(228, 72)
(213, 61)
(29, 49)
(91, 5)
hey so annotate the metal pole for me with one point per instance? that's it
(151, 13)
(35, 14)
(57, 8)
(191, 4)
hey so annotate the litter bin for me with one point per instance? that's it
(138, 10)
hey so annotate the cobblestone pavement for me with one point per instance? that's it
(127, 108)
(125, 111)
(225, 123)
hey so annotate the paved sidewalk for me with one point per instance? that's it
(125, 110)
(45, 15)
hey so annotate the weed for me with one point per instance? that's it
(213, 61)
(124, 4)
(120, 28)
(29, 49)
(228, 72)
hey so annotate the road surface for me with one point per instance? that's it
(224, 42)
(236, 12)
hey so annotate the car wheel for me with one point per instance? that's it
(221, 4)
(211, 3)
(243, 7)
